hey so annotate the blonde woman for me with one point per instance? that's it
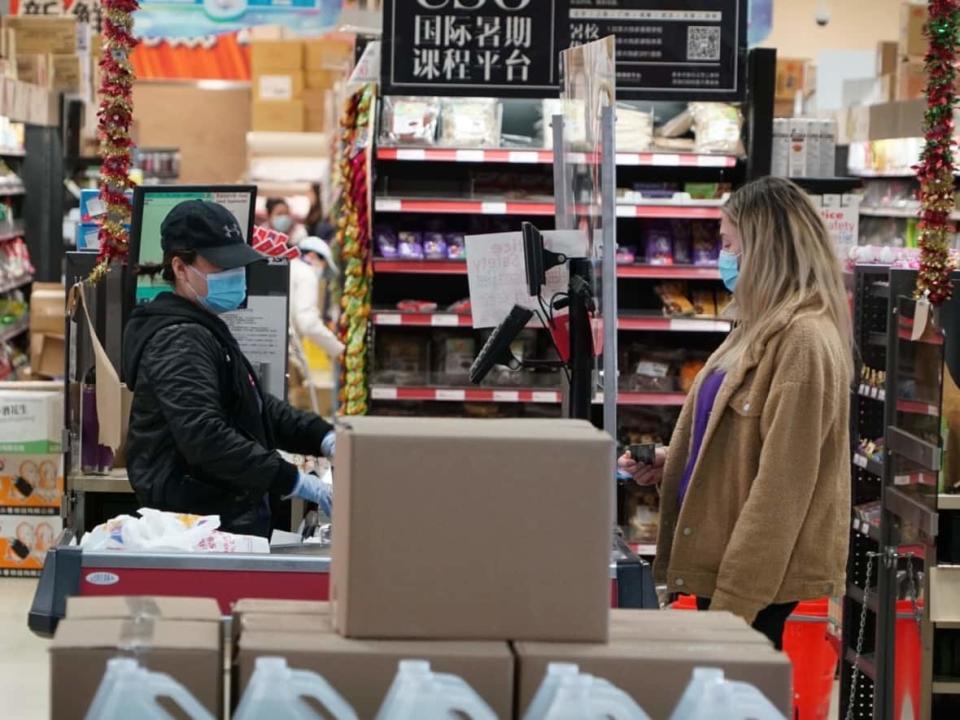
(755, 502)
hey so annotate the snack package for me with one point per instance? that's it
(386, 242)
(717, 128)
(682, 242)
(410, 245)
(674, 298)
(409, 120)
(453, 358)
(470, 123)
(659, 245)
(706, 245)
(688, 373)
(626, 255)
(634, 129)
(723, 302)
(456, 247)
(704, 303)
(434, 246)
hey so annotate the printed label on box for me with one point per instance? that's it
(24, 542)
(276, 87)
(31, 481)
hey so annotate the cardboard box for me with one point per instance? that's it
(791, 77)
(315, 104)
(797, 162)
(30, 422)
(36, 70)
(913, 18)
(24, 542)
(190, 652)
(121, 607)
(48, 312)
(888, 57)
(69, 73)
(322, 79)
(656, 622)
(327, 53)
(31, 481)
(362, 670)
(273, 56)
(43, 35)
(475, 550)
(277, 116)
(911, 80)
(278, 86)
(48, 356)
(655, 674)
(257, 614)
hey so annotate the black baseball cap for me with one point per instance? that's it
(209, 229)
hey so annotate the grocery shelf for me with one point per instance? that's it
(666, 324)
(11, 234)
(545, 157)
(828, 185)
(912, 510)
(424, 319)
(506, 395)
(15, 284)
(9, 332)
(385, 392)
(865, 528)
(946, 686)
(636, 272)
(12, 152)
(915, 407)
(874, 467)
(917, 450)
(644, 549)
(671, 209)
(946, 501)
(454, 206)
(420, 267)
(904, 334)
(669, 272)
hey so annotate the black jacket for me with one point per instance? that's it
(203, 437)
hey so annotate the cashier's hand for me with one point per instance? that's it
(644, 474)
(328, 448)
(312, 489)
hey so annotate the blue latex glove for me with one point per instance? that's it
(328, 447)
(312, 489)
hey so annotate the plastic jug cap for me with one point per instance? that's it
(707, 673)
(122, 664)
(562, 669)
(414, 667)
(271, 664)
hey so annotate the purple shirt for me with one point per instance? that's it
(706, 396)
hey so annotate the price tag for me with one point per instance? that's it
(712, 161)
(882, 395)
(389, 319)
(523, 157)
(470, 156)
(383, 393)
(411, 154)
(856, 523)
(451, 395)
(864, 390)
(546, 397)
(389, 205)
(661, 160)
(445, 320)
(860, 461)
(493, 208)
(875, 393)
(506, 396)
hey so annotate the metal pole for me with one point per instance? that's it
(608, 267)
(561, 177)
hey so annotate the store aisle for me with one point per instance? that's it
(24, 670)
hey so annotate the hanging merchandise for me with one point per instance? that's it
(935, 171)
(116, 145)
(353, 248)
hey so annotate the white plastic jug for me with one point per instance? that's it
(417, 693)
(584, 697)
(275, 691)
(130, 691)
(548, 688)
(711, 697)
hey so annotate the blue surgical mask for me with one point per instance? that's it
(226, 290)
(729, 264)
(282, 223)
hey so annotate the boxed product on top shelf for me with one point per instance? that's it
(804, 147)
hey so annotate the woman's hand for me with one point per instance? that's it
(644, 474)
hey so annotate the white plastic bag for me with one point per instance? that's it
(159, 531)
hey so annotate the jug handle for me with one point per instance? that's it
(465, 700)
(166, 686)
(312, 685)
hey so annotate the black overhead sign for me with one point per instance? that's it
(493, 48)
(669, 49)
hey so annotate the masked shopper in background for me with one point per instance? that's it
(755, 499)
(281, 219)
(203, 436)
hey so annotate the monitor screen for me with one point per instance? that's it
(151, 206)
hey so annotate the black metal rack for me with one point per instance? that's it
(892, 647)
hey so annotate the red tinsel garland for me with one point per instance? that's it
(936, 168)
(115, 117)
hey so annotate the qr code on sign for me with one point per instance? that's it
(703, 43)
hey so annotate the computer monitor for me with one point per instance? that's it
(151, 205)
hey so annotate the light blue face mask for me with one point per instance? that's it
(282, 223)
(729, 264)
(226, 290)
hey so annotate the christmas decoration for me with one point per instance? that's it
(115, 116)
(935, 171)
(353, 246)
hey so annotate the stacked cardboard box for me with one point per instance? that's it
(47, 328)
(178, 636)
(45, 48)
(31, 478)
(483, 547)
(910, 74)
(293, 81)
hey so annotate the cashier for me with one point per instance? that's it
(204, 437)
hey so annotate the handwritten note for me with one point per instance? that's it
(261, 332)
(497, 275)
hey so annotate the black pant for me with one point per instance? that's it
(770, 621)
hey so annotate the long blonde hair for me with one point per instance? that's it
(789, 266)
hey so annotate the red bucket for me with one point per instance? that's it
(813, 656)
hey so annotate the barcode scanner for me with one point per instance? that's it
(496, 351)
